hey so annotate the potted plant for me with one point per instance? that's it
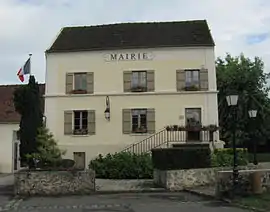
(139, 88)
(192, 88)
(141, 130)
(80, 131)
(212, 128)
(169, 128)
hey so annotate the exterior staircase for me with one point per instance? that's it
(163, 139)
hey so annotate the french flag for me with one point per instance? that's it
(25, 69)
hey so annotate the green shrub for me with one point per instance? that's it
(123, 165)
(181, 158)
(224, 157)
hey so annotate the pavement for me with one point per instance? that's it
(136, 202)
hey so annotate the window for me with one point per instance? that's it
(192, 78)
(139, 122)
(80, 122)
(138, 81)
(80, 81)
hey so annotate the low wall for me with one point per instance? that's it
(224, 182)
(180, 179)
(44, 183)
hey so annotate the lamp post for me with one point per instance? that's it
(232, 102)
(252, 114)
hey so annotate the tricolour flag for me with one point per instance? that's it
(25, 69)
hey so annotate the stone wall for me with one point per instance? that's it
(180, 179)
(224, 182)
(54, 182)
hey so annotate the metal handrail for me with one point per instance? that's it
(145, 139)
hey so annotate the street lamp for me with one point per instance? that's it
(252, 114)
(232, 102)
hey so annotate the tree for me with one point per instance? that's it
(27, 101)
(245, 77)
(48, 153)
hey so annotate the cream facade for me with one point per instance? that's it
(108, 84)
(9, 161)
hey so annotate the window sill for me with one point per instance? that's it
(139, 134)
(87, 135)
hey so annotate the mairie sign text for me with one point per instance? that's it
(128, 56)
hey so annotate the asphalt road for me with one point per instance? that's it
(156, 202)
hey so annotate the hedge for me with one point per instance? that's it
(181, 158)
(123, 165)
(224, 157)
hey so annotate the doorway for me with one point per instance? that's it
(193, 119)
(79, 158)
(16, 151)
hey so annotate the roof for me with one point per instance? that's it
(133, 35)
(7, 109)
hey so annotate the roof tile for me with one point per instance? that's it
(133, 35)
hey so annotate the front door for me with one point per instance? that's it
(79, 158)
(193, 119)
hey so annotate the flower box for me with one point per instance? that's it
(80, 132)
(79, 92)
(139, 89)
(140, 130)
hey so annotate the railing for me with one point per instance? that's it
(164, 138)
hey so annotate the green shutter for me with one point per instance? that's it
(151, 121)
(69, 82)
(68, 122)
(90, 82)
(180, 80)
(150, 80)
(127, 81)
(91, 122)
(204, 79)
(126, 115)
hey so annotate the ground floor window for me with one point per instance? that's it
(139, 120)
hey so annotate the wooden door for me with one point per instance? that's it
(79, 158)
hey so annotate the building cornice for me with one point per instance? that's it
(131, 94)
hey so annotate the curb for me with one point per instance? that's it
(208, 196)
(224, 200)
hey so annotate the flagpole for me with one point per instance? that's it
(30, 55)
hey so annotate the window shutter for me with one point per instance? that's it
(127, 81)
(68, 122)
(151, 122)
(91, 122)
(90, 82)
(150, 80)
(126, 114)
(180, 79)
(69, 82)
(204, 79)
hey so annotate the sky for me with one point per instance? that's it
(30, 26)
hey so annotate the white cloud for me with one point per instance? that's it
(30, 25)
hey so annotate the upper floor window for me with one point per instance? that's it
(192, 78)
(80, 81)
(139, 81)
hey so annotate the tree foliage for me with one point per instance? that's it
(245, 77)
(27, 101)
(48, 153)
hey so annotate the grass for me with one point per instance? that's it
(261, 201)
(262, 157)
